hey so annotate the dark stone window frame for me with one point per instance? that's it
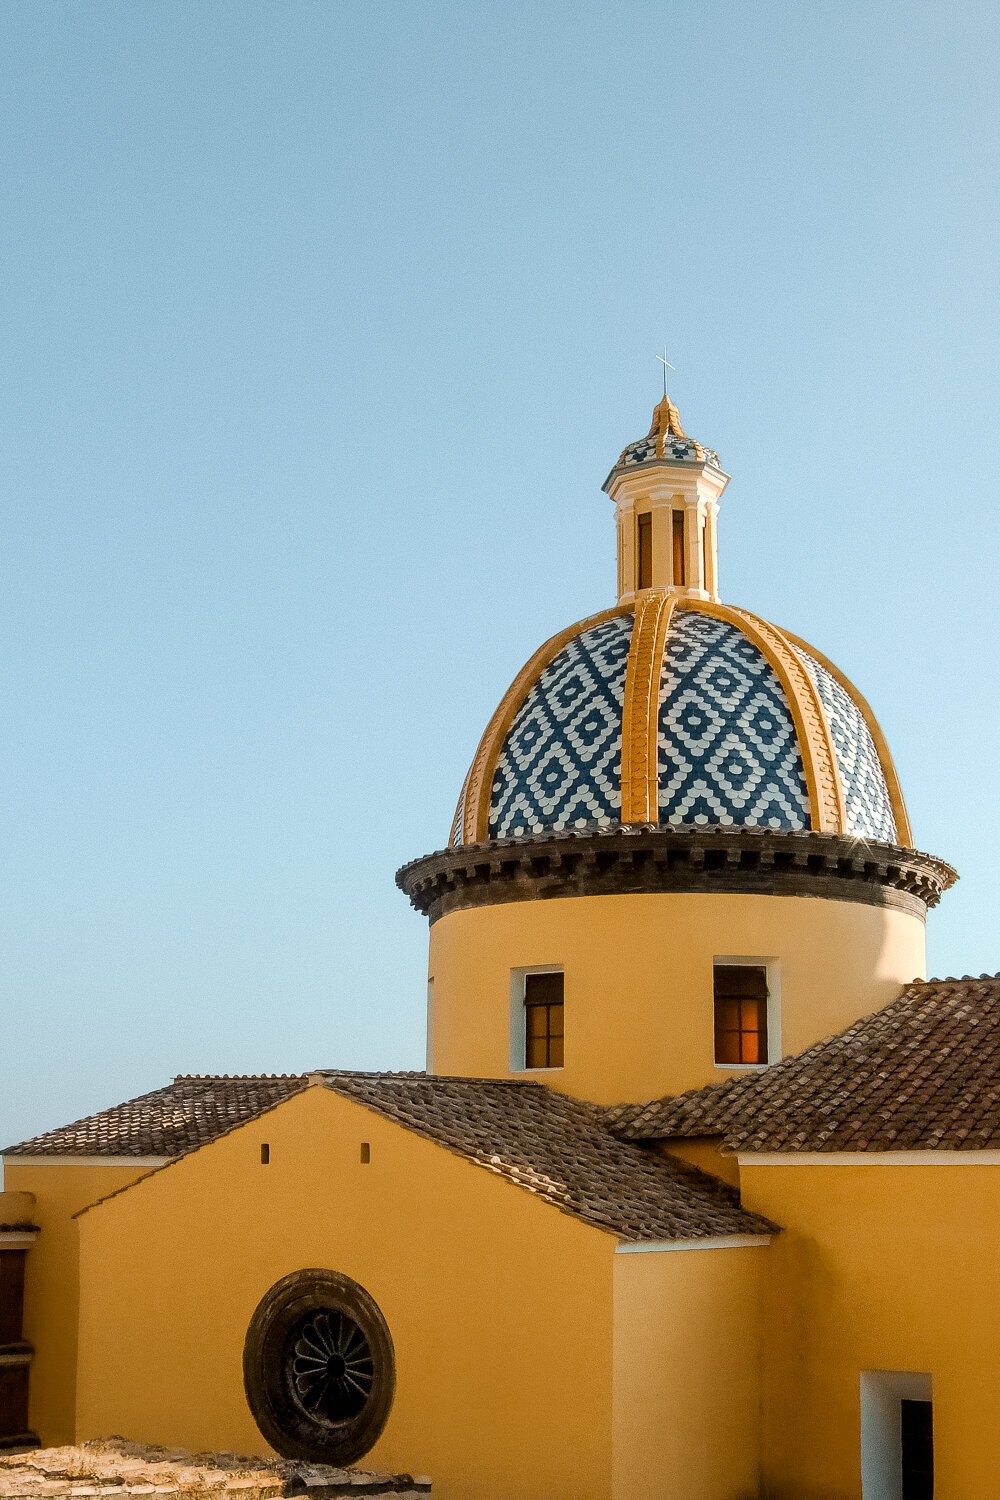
(278, 1386)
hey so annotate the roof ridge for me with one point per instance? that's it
(235, 1077)
(550, 1144)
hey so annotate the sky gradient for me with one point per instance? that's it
(322, 326)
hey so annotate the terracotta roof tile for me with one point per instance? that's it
(188, 1113)
(922, 1074)
(558, 1148)
(547, 1143)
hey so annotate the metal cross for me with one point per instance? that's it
(664, 361)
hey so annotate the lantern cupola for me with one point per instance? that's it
(666, 489)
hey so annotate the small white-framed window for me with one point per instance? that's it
(897, 1435)
(537, 1016)
(746, 1010)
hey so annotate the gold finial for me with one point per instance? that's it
(666, 425)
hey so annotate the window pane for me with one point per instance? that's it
(760, 1026)
(536, 1052)
(644, 571)
(555, 1020)
(749, 1047)
(536, 1020)
(727, 1047)
(556, 1052)
(679, 569)
(543, 989)
(727, 1014)
(740, 981)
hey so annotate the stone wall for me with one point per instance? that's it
(114, 1468)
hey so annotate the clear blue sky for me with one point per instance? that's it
(322, 325)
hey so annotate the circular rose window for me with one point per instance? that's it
(319, 1368)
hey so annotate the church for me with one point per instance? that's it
(694, 1198)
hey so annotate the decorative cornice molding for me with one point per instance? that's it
(657, 860)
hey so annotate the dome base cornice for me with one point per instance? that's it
(641, 859)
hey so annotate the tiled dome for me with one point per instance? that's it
(666, 440)
(678, 712)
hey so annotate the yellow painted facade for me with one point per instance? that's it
(500, 1308)
(534, 1358)
(51, 1293)
(638, 980)
(687, 1373)
(537, 1355)
(878, 1268)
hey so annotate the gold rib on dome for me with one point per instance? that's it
(904, 833)
(457, 820)
(640, 709)
(828, 811)
(478, 788)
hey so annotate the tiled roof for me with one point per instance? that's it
(188, 1113)
(559, 1149)
(922, 1074)
(547, 1143)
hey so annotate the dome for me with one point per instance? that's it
(677, 711)
(666, 441)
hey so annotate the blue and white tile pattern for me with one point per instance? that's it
(727, 748)
(728, 752)
(869, 811)
(560, 766)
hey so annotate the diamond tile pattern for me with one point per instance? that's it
(869, 811)
(560, 766)
(728, 751)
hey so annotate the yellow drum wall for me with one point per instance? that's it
(878, 1267)
(638, 986)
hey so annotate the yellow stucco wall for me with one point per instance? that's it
(878, 1268)
(638, 983)
(50, 1283)
(687, 1374)
(703, 1152)
(499, 1305)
